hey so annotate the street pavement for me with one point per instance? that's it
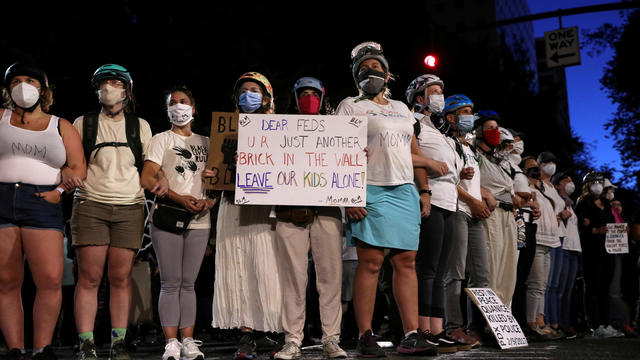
(578, 349)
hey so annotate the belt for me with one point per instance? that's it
(505, 206)
(299, 215)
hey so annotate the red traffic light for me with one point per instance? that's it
(430, 61)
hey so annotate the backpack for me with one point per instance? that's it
(132, 128)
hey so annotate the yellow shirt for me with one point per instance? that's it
(112, 177)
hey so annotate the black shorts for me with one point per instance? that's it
(21, 207)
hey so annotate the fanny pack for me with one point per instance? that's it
(298, 215)
(505, 206)
(171, 217)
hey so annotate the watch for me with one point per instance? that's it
(425, 191)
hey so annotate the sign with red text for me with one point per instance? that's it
(504, 326)
(617, 241)
(312, 160)
(223, 142)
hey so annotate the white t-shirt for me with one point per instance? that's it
(558, 205)
(112, 177)
(182, 159)
(572, 238)
(470, 186)
(547, 232)
(389, 135)
(495, 179)
(433, 144)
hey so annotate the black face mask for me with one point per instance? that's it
(534, 173)
(372, 82)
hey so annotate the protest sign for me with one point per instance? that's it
(311, 160)
(223, 142)
(504, 326)
(617, 241)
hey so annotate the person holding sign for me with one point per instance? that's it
(391, 218)
(299, 229)
(107, 223)
(40, 158)
(179, 155)
(247, 291)
(593, 216)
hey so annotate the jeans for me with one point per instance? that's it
(565, 286)
(552, 296)
(469, 252)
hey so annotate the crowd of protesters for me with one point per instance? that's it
(456, 203)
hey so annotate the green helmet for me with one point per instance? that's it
(112, 71)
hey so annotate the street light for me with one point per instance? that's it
(430, 61)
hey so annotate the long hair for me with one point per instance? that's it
(45, 100)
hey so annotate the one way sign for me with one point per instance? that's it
(562, 47)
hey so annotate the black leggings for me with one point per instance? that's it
(598, 271)
(431, 261)
(525, 260)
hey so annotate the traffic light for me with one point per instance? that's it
(430, 61)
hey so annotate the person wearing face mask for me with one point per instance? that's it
(500, 226)
(247, 293)
(467, 234)
(437, 229)
(391, 218)
(547, 162)
(299, 229)
(40, 159)
(108, 210)
(593, 216)
(181, 156)
(571, 251)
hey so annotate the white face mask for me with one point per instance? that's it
(515, 159)
(180, 114)
(436, 103)
(596, 189)
(518, 147)
(610, 195)
(25, 95)
(549, 168)
(569, 188)
(110, 95)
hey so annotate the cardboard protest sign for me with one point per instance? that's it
(223, 142)
(617, 241)
(311, 160)
(504, 326)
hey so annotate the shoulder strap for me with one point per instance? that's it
(132, 127)
(416, 128)
(89, 133)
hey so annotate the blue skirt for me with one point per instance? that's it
(392, 221)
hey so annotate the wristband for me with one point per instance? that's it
(60, 190)
(425, 191)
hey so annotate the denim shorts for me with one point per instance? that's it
(19, 206)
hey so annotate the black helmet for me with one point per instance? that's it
(592, 176)
(364, 51)
(23, 68)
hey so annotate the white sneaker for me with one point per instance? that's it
(191, 349)
(602, 332)
(290, 350)
(172, 350)
(332, 350)
(615, 332)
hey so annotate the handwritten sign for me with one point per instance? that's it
(222, 147)
(504, 326)
(310, 160)
(617, 241)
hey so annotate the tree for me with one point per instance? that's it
(620, 81)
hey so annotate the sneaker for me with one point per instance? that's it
(615, 331)
(461, 337)
(290, 350)
(87, 351)
(553, 333)
(629, 332)
(16, 354)
(119, 351)
(415, 344)
(45, 354)
(172, 350)
(368, 347)
(602, 332)
(570, 333)
(477, 338)
(539, 334)
(444, 344)
(246, 347)
(191, 349)
(332, 350)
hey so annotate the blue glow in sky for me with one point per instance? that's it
(589, 107)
